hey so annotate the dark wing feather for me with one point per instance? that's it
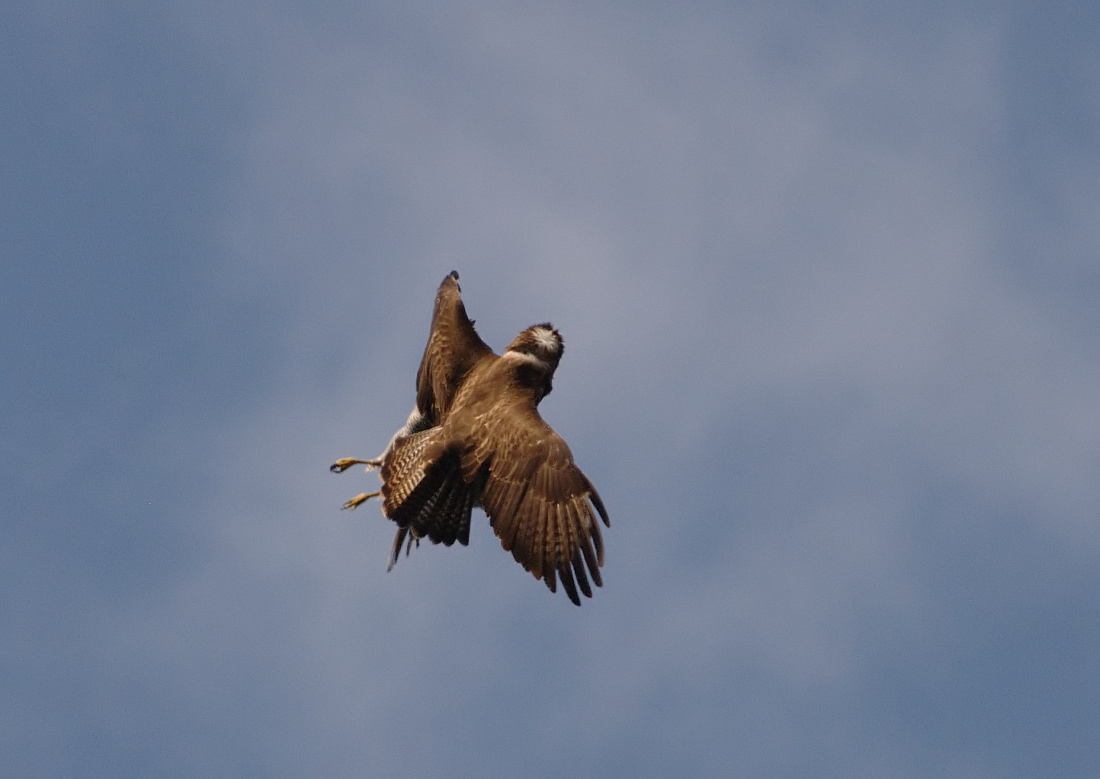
(453, 348)
(424, 493)
(539, 502)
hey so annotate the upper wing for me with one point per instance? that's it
(453, 348)
(539, 502)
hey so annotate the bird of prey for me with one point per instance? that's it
(475, 438)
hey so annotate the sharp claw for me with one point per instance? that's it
(344, 463)
(360, 498)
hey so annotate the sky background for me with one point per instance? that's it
(828, 277)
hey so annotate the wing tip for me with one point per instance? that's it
(598, 503)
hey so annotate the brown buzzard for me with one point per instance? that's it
(476, 438)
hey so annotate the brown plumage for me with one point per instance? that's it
(476, 438)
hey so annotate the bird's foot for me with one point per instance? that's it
(344, 463)
(362, 497)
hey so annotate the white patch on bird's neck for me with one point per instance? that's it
(527, 358)
(547, 339)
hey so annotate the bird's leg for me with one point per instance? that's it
(414, 424)
(362, 497)
(344, 463)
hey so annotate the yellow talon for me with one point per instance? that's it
(360, 498)
(344, 463)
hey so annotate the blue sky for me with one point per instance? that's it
(828, 282)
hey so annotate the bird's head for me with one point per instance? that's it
(537, 351)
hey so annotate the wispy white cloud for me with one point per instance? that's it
(797, 366)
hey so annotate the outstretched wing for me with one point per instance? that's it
(453, 348)
(539, 502)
